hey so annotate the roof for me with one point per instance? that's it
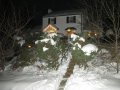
(63, 13)
(72, 28)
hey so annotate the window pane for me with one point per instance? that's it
(52, 20)
(67, 19)
(48, 20)
(71, 19)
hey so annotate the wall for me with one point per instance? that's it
(62, 25)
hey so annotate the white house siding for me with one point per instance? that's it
(62, 24)
(45, 22)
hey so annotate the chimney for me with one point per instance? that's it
(49, 10)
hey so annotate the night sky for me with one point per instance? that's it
(37, 8)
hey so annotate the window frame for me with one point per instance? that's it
(71, 19)
(52, 20)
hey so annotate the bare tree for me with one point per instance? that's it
(112, 11)
(12, 23)
(101, 14)
(94, 13)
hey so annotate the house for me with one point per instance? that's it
(67, 22)
(64, 20)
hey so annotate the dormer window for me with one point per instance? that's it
(51, 20)
(71, 19)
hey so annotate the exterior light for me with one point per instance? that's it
(68, 30)
(51, 31)
(89, 34)
(95, 34)
(92, 34)
(29, 46)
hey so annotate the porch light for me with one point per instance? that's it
(70, 30)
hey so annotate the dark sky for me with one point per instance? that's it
(37, 8)
(40, 5)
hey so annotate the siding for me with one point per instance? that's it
(62, 25)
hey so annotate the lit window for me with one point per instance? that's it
(71, 19)
(92, 34)
(51, 20)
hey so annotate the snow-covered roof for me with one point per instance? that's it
(63, 13)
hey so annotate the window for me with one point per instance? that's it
(52, 20)
(71, 19)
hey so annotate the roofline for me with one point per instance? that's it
(63, 13)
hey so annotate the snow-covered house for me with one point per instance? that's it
(63, 20)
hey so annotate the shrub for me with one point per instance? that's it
(26, 57)
(78, 55)
(49, 50)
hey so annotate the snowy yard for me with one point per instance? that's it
(30, 78)
(97, 76)
(60, 50)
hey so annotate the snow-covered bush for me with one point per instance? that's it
(82, 52)
(27, 51)
(49, 49)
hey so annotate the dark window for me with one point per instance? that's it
(48, 20)
(71, 19)
(52, 20)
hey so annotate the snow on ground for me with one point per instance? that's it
(31, 78)
(95, 77)
(91, 79)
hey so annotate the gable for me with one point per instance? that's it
(50, 29)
